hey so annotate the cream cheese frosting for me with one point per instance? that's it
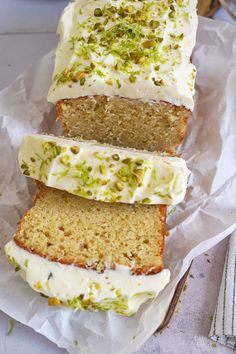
(116, 290)
(102, 172)
(133, 49)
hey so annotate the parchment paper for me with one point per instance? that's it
(206, 217)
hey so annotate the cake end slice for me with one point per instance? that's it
(86, 254)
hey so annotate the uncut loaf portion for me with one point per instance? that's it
(123, 74)
(90, 255)
(104, 172)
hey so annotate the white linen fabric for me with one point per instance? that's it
(223, 329)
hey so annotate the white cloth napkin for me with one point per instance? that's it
(223, 329)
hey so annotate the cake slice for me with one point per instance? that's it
(123, 74)
(90, 255)
(103, 172)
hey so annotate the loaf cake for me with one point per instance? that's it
(123, 74)
(90, 255)
(122, 77)
(103, 172)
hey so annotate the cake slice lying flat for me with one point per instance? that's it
(90, 255)
(123, 74)
(103, 172)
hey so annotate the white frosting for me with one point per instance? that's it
(67, 282)
(103, 172)
(171, 65)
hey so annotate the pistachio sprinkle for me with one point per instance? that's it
(107, 174)
(117, 47)
(75, 149)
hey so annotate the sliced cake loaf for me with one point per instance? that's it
(103, 172)
(87, 254)
(123, 74)
(122, 77)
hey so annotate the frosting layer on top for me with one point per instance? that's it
(130, 48)
(103, 172)
(116, 290)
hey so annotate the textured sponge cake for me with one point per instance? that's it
(124, 122)
(73, 230)
(95, 243)
(123, 74)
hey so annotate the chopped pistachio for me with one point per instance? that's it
(118, 84)
(116, 157)
(82, 81)
(56, 150)
(124, 178)
(102, 169)
(92, 39)
(146, 201)
(118, 293)
(53, 301)
(141, 60)
(172, 14)
(121, 12)
(98, 286)
(105, 22)
(119, 186)
(158, 82)
(99, 27)
(112, 9)
(14, 263)
(48, 145)
(139, 162)
(109, 82)
(64, 159)
(26, 172)
(129, 8)
(132, 78)
(127, 160)
(38, 285)
(98, 12)
(75, 150)
(150, 43)
(138, 176)
(78, 76)
(154, 24)
(24, 166)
